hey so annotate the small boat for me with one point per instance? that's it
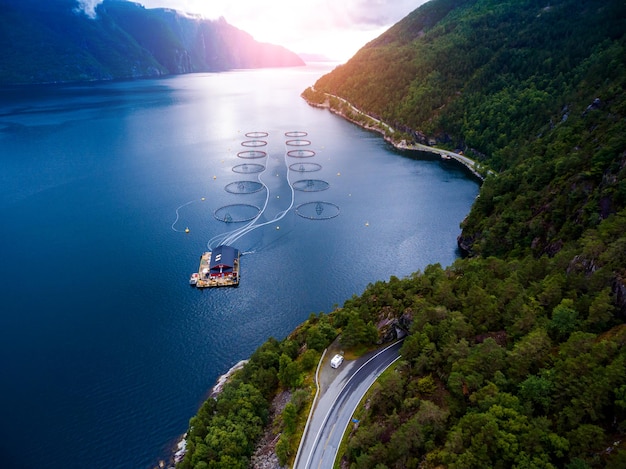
(194, 278)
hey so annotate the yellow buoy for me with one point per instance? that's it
(214, 177)
(186, 230)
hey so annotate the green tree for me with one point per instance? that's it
(289, 372)
(600, 310)
(538, 391)
(357, 332)
(564, 320)
(283, 449)
(290, 417)
(529, 354)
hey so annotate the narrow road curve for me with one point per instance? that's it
(322, 441)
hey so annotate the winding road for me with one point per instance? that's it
(338, 401)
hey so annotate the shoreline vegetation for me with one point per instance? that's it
(400, 140)
(179, 448)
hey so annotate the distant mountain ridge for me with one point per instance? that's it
(54, 41)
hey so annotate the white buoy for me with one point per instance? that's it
(278, 227)
(367, 223)
(214, 177)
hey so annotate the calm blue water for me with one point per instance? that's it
(106, 351)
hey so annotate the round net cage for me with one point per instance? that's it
(301, 153)
(256, 134)
(251, 154)
(254, 143)
(296, 133)
(236, 213)
(310, 185)
(248, 168)
(298, 142)
(244, 187)
(317, 210)
(305, 167)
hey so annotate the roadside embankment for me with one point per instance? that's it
(348, 111)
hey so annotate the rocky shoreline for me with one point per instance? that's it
(368, 122)
(180, 448)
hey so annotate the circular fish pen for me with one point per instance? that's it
(253, 143)
(248, 168)
(236, 213)
(301, 153)
(256, 134)
(251, 154)
(305, 167)
(296, 133)
(310, 185)
(298, 142)
(318, 210)
(244, 187)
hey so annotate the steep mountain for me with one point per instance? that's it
(514, 356)
(55, 41)
(532, 89)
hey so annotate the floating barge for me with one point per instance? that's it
(218, 268)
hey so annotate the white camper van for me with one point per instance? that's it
(336, 361)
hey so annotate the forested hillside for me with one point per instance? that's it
(46, 41)
(533, 89)
(515, 355)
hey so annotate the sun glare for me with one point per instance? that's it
(314, 27)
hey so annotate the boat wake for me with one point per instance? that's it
(186, 230)
(253, 221)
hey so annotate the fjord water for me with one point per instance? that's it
(106, 350)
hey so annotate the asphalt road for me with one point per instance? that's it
(337, 403)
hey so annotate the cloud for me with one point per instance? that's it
(335, 28)
(329, 14)
(88, 7)
(370, 14)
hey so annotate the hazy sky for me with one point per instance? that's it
(336, 28)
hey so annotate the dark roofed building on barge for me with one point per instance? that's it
(218, 268)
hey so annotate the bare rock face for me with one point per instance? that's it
(390, 327)
(264, 456)
(465, 243)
